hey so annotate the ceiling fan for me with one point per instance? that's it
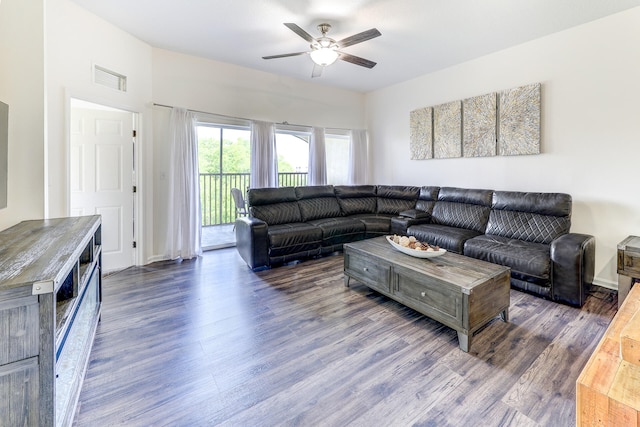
(325, 51)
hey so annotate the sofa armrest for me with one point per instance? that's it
(252, 242)
(416, 214)
(573, 258)
(400, 224)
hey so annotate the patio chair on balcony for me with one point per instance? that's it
(241, 206)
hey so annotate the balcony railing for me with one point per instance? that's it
(292, 179)
(215, 193)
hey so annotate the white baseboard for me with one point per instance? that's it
(606, 284)
(156, 258)
(106, 273)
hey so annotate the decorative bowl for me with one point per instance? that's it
(413, 252)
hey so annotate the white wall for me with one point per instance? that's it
(215, 87)
(22, 88)
(76, 40)
(590, 79)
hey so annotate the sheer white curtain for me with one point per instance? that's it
(184, 218)
(264, 159)
(317, 158)
(358, 157)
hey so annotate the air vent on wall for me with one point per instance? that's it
(109, 78)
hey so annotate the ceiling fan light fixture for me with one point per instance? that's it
(324, 56)
(325, 50)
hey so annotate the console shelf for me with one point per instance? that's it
(50, 299)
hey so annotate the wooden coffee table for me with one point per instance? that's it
(460, 292)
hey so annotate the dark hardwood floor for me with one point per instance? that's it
(209, 342)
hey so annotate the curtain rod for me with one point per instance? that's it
(203, 112)
(242, 118)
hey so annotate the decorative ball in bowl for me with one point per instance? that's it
(411, 246)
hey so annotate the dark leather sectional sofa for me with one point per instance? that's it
(528, 232)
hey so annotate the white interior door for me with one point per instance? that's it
(101, 178)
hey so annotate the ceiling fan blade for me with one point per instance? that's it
(285, 55)
(359, 38)
(299, 31)
(317, 70)
(356, 60)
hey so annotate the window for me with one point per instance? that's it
(337, 155)
(293, 157)
(109, 78)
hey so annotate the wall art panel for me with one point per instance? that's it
(519, 121)
(421, 133)
(479, 126)
(447, 130)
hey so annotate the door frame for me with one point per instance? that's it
(138, 213)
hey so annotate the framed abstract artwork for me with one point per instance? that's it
(519, 121)
(479, 126)
(447, 130)
(421, 133)
(505, 123)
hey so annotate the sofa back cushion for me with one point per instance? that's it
(274, 205)
(393, 199)
(427, 198)
(317, 202)
(356, 199)
(532, 217)
(463, 208)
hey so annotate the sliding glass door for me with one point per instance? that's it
(224, 163)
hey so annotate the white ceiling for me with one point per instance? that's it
(418, 36)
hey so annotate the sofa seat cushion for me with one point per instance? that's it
(528, 261)
(527, 226)
(277, 213)
(339, 230)
(461, 215)
(532, 217)
(393, 199)
(427, 198)
(394, 206)
(449, 238)
(297, 237)
(356, 199)
(463, 208)
(317, 202)
(274, 205)
(375, 225)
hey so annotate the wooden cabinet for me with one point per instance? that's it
(628, 265)
(608, 388)
(50, 296)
